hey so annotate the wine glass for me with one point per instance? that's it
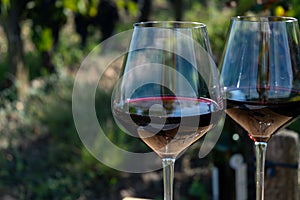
(260, 75)
(169, 94)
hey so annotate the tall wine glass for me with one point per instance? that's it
(260, 74)
(169, 93)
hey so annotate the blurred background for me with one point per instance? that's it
(42, 44)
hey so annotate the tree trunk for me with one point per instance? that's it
(178, 9)
(282, 166)
(145, 10)
(18, 71)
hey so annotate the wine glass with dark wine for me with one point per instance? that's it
(261, 79)
(169, 94)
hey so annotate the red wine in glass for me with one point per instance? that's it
(182, 122)
(262, 119)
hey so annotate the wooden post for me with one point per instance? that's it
(281, 182)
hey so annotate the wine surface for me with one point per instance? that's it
(262, 120)
(168, 125)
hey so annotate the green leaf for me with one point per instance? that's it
(198, 190)
(45, 40)
(5, 2)
(244, 6)
(132, 8)
(5, 5)
(70, 4)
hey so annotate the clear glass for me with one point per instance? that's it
(169, 94)
(260, 74)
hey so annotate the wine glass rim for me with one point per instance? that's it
(269, 19)
(169, 24)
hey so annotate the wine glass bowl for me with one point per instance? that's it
(260, 75)
(168, 94)
(260, 72)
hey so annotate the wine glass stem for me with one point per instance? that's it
(260, 149)
(168, 176)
